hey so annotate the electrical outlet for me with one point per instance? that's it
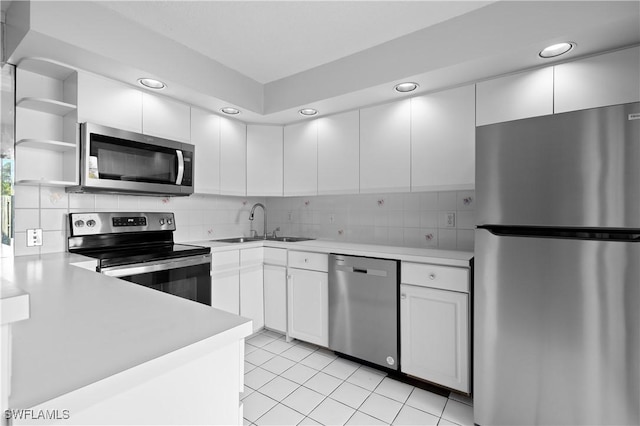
(450, 220)
(34, 237)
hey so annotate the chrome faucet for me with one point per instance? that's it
(264, 209)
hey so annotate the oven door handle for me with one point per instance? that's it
(159, 265)
(180, 167)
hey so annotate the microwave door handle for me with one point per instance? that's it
(180, 167)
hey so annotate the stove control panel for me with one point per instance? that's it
(96, 223)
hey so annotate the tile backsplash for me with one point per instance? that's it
(198, 217)
(402, 219)
(409, 219)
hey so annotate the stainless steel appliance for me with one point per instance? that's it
(557, 278)
(363, 308)
(139, 247)
(116, 161)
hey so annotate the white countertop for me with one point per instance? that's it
(85, 326)
(441, 257)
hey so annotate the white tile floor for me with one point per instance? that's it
(300, 384)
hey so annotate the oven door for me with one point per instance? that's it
(187, 277)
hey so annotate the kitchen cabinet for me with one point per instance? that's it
(301, 159)
(608, 79)
(109, 103)
(385, 148)
(443, 140)
(308, 297)
(46, 132)
(435, 324)
(205, 135)
(275, 289)
(339, 153)
(264, 160)
(233, 157)
(251, 286)
(225, 281)
(165, 118)
(522, 95)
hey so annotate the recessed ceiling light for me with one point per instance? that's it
(406, 87)
(308, 111)
(230, 110)
(152, 83)
(556, 50)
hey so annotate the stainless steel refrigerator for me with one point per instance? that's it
(557, 270)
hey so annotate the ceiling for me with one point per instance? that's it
(271, 40)
(271, 58)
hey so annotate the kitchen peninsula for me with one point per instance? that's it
(112, 352)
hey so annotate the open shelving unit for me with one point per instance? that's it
(46, 123)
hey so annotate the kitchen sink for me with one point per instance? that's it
(290, 239)
(238, 240)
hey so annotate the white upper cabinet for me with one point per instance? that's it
(205, 135)
(385, 147)
(523, 95)
(165, 118)
(109, 103)
(443, 140)
(301, 159)
(264, 160)
(233, 157)
(339, 154)
(609, 79)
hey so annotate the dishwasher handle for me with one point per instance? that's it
(356, 270)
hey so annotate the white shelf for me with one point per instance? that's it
(48, 67)
(51, 145)
(49, 106)
(45, 182)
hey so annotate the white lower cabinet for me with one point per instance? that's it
(225, 281)
(434, 335)
(308, 298)
(275, 298)
(251, 286)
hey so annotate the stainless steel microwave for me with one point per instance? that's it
(121, 162)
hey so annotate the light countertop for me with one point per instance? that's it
(409, 254)
(85, 326)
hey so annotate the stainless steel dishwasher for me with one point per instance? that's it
(363, 308)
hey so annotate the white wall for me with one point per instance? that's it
(408, 219)
(198, 217)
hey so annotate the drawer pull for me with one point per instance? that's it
(432, 276)
(403, 296)
(306, 260)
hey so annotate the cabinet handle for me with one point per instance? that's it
(306, 260)
(432, 276)
(403, 296)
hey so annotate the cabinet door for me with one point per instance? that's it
(233, 157)
(385, 148)
(308, 306)
(523, 95)
(301, 159)
(205, 135)
(252, 295)
(434, 335)
(264, 160)
(225, 281)
(339, 154)
(109, 103)
(609, 79)
(165, 118)
(275, 298)
(443, 134)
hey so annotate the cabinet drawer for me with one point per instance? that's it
(252, 256)
(311, 261)
(435, 276)
(275, 256)
(225, 260)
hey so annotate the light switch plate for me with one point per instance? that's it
(34, 237)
